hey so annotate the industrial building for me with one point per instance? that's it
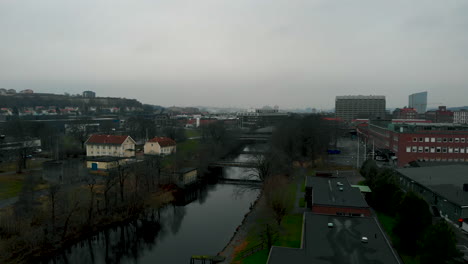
(445, 188)
(351, 107)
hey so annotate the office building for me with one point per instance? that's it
(423, 142)
(351, 107)
(460, 116)
(418, 101)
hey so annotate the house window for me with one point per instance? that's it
(426, 139)
(426, 149)
(445, 139)
(420, 139)
(457, 140)
(455, 150)
(450, 139)
(462, 150)
(450, 150)
(462, 140)
(415, 149)
(444, 150)
(432, 140)
(432, 149)
(420, 149)
(415, 139)
(438, 149)
(439, 140)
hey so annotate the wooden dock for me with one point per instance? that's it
(206, 259)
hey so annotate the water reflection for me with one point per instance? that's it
(172, 234)
(201, 222)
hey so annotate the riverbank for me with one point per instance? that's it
(238, 241)
(20, 248)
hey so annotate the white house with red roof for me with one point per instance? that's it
(110, 146)
(160, 145)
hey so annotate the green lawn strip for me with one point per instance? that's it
(259, 257)
(301, 202)
(388, 222)
(10, 188)
(187, 146)
(291, 231)
(192, 133)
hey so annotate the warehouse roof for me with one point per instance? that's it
(447, 181)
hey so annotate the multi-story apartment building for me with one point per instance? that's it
(351, 107)
(418, 101)
(110, 146)
(435, 142)
(460, 117)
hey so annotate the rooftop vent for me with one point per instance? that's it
(364, 240)
(330, 225)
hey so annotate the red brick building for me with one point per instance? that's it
(335, 196)
(435, 142)
(405, 113)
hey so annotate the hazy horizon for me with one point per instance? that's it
(238, 53)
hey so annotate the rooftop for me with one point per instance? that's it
(361, 97)
(163, 141)
(106, 139)
(326, 191)
(339, 244)
(447, 181)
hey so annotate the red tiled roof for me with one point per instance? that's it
(163, 141)
(106, 139)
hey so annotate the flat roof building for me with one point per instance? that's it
(359, 106)
(342, 243)
(415, 141)
(444, 187)
(335, 196)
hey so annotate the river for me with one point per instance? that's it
(203, 226)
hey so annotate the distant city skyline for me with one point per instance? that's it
(238, 53)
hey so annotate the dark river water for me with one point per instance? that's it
(173, 234)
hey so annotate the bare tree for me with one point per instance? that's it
(53, 194)
(279, 199)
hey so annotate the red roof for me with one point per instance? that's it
(163, 141)
(106, 139)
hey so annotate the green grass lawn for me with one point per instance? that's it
(388, 222)
(188, 146)
(289, 233)
(192, 133)
(10, 185)
(301, 202)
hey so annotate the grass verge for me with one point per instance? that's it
(10, 185)
(289, 234)
(388, 222)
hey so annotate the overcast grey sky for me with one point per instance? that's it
(291, 53)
